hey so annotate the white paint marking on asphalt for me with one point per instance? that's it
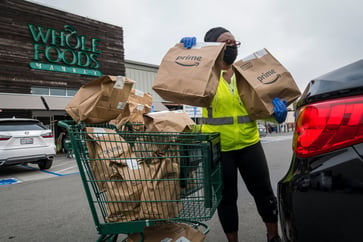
(59, 164)
(71, 167)
(275, 138)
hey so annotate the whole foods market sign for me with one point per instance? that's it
(64, 51)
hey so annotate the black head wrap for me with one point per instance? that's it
(213, 34)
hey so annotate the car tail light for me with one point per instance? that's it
(4, 137)
(48, 135)
(329, 125)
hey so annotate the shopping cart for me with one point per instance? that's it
(133, 179)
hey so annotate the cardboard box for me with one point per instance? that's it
(169, 233)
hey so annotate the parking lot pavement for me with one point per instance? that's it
(273, 137)
(62, 166)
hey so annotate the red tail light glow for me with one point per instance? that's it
(47, 135)
(4, 137)
(326, 126)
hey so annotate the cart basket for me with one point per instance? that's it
(134, 179)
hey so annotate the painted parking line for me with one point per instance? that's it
(50, 172)
(72, 167)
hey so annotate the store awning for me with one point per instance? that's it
(21, 101)
(55, 103)
(34, 102)
(159, 106)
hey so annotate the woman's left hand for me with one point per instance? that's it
(280, 109)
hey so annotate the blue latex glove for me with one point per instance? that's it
(280, 109)
(188, 42)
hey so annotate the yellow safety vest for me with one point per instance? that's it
(228, 116)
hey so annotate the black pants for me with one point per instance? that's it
(252, 165)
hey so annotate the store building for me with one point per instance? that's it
(48, 54)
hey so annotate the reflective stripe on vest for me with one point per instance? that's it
(225, 120)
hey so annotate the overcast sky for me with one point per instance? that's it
(309, 37)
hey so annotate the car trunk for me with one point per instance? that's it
(345, 81)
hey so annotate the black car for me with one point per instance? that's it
(321, 196)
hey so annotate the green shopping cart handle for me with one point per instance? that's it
(66, 123)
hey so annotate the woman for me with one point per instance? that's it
(241, 149)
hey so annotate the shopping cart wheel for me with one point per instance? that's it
(108, 238)
(202, 227)
(141, 239)
(70, 154)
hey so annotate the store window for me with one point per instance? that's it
(53, 91)
(57, 92)
(40, 91)
(71, 92)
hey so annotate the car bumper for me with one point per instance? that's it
(13, 157)
(320, 198)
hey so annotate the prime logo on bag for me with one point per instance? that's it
(188, 60)
(264, 78)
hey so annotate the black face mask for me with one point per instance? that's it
(230, 54)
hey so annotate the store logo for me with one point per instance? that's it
(188, 60)
(64, 51)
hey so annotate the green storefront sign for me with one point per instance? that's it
(64, 51)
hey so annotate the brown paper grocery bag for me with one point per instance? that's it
(168, 121)
(132, 118)
(123, 197)
(138, 103)
(261, 78)
(160, 198)
(101, 100)
(190, 76)
(140, 97)
(124, 190)
(105, 146)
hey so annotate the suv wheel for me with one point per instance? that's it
(45, 164)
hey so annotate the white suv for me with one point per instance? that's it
(26, 141)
